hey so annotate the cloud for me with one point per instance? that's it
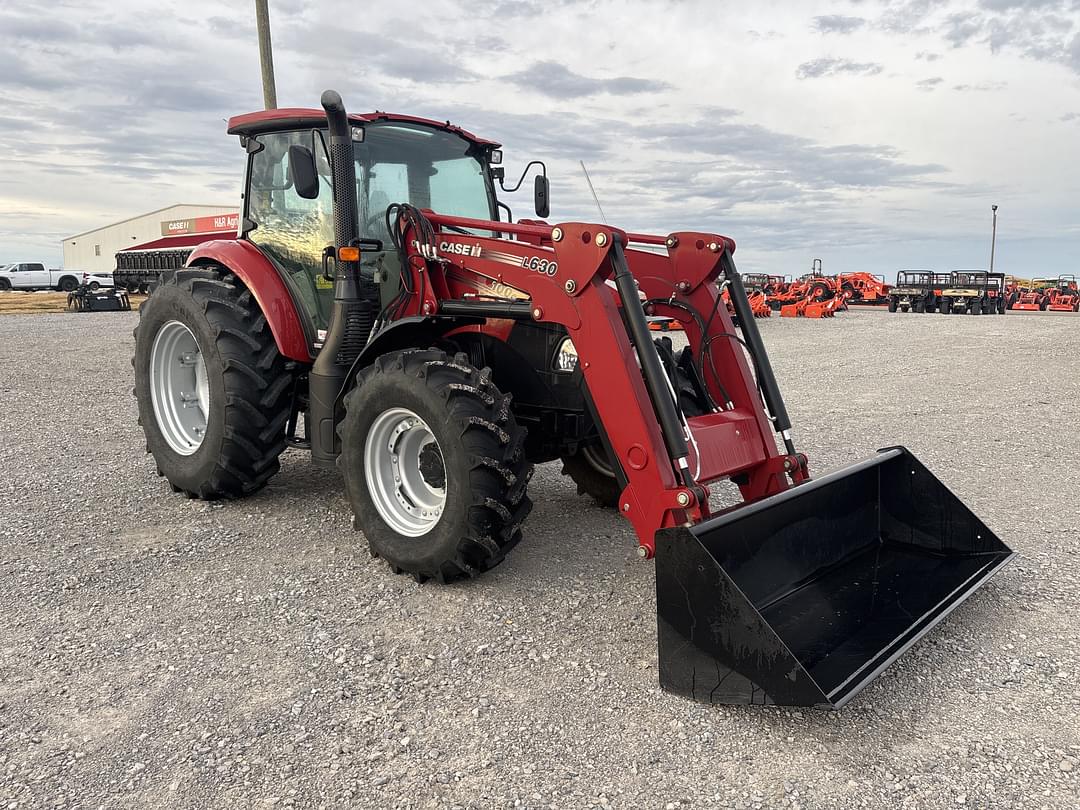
(980, 87)
(929, 84)
(833, 66)
(558, 81)
(928, 56)
(1041, 30)
(837, 24)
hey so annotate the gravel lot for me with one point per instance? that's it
(160, 652)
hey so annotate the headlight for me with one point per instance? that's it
(566, 357)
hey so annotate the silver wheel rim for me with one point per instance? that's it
(179, 388)
(397, 443)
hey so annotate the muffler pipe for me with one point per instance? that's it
(355, 301)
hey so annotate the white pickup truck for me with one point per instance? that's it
(33, 276)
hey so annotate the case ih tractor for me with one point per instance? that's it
(434, 353)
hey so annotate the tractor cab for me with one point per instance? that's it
(398, 159)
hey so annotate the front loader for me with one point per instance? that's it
(376, 311)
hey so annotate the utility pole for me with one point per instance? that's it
(266, 55)
(993, 237)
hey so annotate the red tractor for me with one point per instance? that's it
(376, 312)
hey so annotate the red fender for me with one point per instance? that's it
(262, 278)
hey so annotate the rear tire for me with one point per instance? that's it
(68, 284)
(946, 306)
(466, 439)
(590, 468)
(893, 304)
(5, 285)
(244, 394)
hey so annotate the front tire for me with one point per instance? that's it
(434, 465)
(213, 391)
(819, 291)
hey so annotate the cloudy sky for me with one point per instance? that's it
(874, 134)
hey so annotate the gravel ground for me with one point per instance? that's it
(160, 652)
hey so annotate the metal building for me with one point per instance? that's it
(95, 251)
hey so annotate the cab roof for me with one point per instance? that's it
(255, 123)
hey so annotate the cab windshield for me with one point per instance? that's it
(423, 167)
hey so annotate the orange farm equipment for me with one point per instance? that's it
(863, 288)
(375, 313)
(1064, 296)
(1056, 294)
(805, 308)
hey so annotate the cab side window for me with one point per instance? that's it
(292, 230)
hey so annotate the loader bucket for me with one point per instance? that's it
(804, 597)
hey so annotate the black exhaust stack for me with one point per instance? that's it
(356, 300)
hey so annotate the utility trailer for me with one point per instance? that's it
(433, 357)
(975, 292)
(917, 291)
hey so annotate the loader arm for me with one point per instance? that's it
(562, 272)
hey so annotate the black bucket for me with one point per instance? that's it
(803, 598)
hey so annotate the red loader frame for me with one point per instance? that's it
(564, 270)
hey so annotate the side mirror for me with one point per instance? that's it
(302, 172)
(540, 196)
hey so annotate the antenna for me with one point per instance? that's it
(593, 190)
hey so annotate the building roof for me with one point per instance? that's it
(184, 241)
(148, 214)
